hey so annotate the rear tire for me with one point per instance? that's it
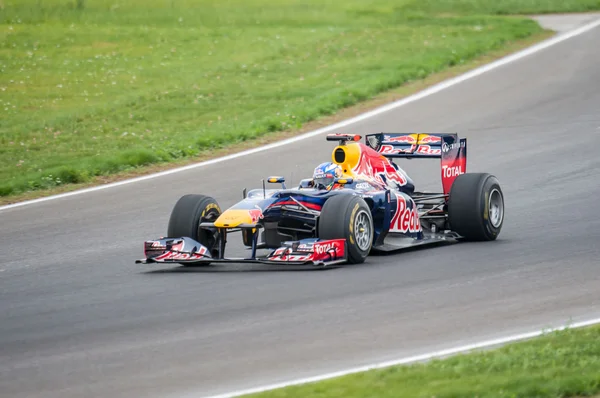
(476, 206)
(191, 210)
(348, 217)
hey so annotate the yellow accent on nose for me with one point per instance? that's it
(232, 218)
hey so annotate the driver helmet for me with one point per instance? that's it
(325, 175)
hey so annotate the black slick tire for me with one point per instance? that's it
(186, 216)
(476, 207)
(348, 217)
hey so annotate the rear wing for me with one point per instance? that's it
(409, 145)
(448, 147)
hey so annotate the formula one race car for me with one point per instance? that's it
(359, 203)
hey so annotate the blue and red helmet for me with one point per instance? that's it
(325, 175)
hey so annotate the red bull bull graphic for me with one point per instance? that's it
(401, 139)
(429, 139)
(373, 166)
(255, 215)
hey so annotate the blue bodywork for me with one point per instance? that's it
(292, 212)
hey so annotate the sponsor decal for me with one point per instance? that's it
(255, 215)
(363, 185)
(452, 171)
(405, 139)
(373, 166)
(321, 248)
(319, 251)
(430, 139)
(448, 147)
(305, 247)
(391, 150)
(406, 218)
(428, 150)
(454, 161)
(285, 254)
(170, 255)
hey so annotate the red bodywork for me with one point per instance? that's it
(375, 166)
(326, 250)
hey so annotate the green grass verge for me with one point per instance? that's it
(95, 88)
(559, 364)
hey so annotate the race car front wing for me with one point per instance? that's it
(184, 250)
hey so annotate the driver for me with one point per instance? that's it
(325, 175)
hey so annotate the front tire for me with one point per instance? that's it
(186, 216)
(476, 206)
(348, 217)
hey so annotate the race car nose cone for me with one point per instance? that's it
(233, 217)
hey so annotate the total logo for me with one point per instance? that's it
(321, 248)
(406, 219)
(452, 171)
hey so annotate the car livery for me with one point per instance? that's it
(372, 206)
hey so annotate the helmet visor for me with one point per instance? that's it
(324, 181)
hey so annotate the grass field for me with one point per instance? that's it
(93, 88)
(560, 364)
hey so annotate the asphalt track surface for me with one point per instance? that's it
(79, 318)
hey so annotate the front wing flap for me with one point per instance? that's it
(185, 250)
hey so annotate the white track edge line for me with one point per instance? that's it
(385, 108)
(407, 360)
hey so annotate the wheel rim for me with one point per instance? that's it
(496, 208)
(362, 231)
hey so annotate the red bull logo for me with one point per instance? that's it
(401, 139)
(429, 139)
(406, 218)
(255, 215)
(428, 150)
(374, 166)
(391, 150)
